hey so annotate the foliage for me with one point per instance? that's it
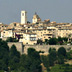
(30, 62)
(34, 60)
(1, 70)
(62, 51)
(45, 61)
(39, 41)
(23, 63)
(46, 41)
(61, 55)
(10, 39)
(4, 51)
(60, 40)
(61, 68)
(52, 57)
(65, 39)
(69, 55)
(52, 49)
(53, 41)
(60, 59)
(14, 57)
(12, 60)
(28, 22)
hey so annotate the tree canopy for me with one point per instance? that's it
(53, 41)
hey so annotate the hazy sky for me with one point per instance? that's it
(55, 10)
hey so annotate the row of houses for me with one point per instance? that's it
(30, 35)
(30, 32)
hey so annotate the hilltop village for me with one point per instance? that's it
(26, 55)
(29, 33)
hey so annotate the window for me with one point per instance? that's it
(26, 43)
(32, 39)
(49, 37)
(22, 14)
(14, 24)
(10, 32)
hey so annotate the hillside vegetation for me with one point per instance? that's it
(12, 61)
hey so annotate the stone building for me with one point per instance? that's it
(29, 38)
(36, 18)
(23, 17)
(31, 32)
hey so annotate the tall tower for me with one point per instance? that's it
(23, 17)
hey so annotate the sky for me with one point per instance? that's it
(55, 10)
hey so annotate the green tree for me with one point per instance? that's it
(60, 59)
(10, 39)
(14, 58)
(51, 49)
(52, 57)
(61, 55)
(69, 55)
(57, 68)
(46, 41)
(30, 62)
(45, 61)
(24, 63)
(53, 41)
(60, 40)
(61, 68)
(65, 39)
(68, 68)
(34, 60)
(1, 70)
(62, 51)
(4, 55)
(39, 41)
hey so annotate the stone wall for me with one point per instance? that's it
(19, 46)
(45, 48)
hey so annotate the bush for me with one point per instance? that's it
(62, 51)
(10, 39)
(53, 41)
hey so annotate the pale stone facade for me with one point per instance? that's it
(19, 46)
(23, 17)
(64, 33)
(43, 34)
(36, 18)
(45, 48)
(29, 38)
(46, 33)
(2, 26)
(6, 33)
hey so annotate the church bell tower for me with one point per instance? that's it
(23, 17)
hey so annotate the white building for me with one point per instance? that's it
(23, 17)
(29, 38)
